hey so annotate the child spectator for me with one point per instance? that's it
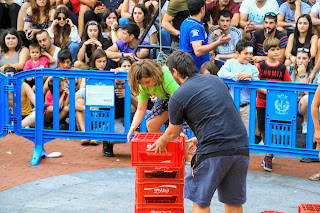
(241, 69)
(38, 59)
(63, 101)
(269, 70)
(124, 65)
(209, 68)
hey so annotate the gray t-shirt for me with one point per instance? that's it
(289, 14)
(204, 102)
(229, 47)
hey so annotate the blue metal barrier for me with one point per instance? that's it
(280, 126)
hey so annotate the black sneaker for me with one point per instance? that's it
(107, 149)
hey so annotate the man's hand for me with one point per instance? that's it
(258, 59)
(217, 33)
(159, 146)
(119, 93)
(100, 9)
(312, 2)
(311, 78)
(224, 39)
(249, 27)
(193, 145)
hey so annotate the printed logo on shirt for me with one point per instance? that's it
(195, 33)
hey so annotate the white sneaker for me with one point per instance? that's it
(304, 128)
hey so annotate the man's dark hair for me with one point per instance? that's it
(225, 13)
(182, 62)
(194, 6)
(64, 55)
(242, 44)
(271, 15)
(132, 29)
(10, 31)
(42, 31)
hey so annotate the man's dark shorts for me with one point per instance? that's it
(228, 174)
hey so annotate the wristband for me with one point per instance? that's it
(122, 54)
(302, 76)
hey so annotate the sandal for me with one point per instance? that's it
(94, 142)
(85, 142)
(315, 177)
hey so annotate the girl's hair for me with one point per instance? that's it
(296, 33)
(123, 59)
(10, 31)
(310, 64)
(85, 33)
(145, 68)
(36, 11)
(150, 8)
(98, 53)
(210, 66)
(59, 31)
(106, 14)
(146, 13)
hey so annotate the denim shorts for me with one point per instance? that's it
(228, 174)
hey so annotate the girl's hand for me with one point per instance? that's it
(55, 22)
(130, 133)
(301, 69)
(30, 34)
(116, 70)
(88, 42)
(65, 90)
(69, 21)
(114, 25)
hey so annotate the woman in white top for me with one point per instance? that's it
(64, 33)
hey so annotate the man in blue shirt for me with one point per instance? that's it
(193, 37)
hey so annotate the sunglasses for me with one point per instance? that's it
(62, 18)
(302, 49)
(93, 23)
(271, 14)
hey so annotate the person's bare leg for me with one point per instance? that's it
(49, 113)
(80, 105)
(200, 209)
(303, 107)
(21, 15)
(155, 123)
(233, 208)
(81, 121)
(83, 9)
(64, 112)
(29, 120)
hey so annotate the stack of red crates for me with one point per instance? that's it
(159, 177)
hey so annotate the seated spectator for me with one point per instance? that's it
(315, 17)
(252, 14)
(10, 9)
(92, 40)
(110, 28)
(124, 64)
(269, 31)
(141, 16)
(64, 33)
(99, 62)
(126, 11)
(39, 17)
(301, 38)
(27, 97)
(299, 72)
(45, 43)
(289, 13)
(215, 7)
(63, 102)
(209, 68)
(125, 46)
(38, 59)
(225, 51)
(241, 69)
(12, 52)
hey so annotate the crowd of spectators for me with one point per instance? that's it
(92, 34)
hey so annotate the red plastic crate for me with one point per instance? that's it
(309, 208)
(159, 208)
(171, 175)
(159, 193)
(141, 157)
(271, 212)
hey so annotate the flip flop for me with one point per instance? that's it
(94, 142)
(315, 177)
(85, 142)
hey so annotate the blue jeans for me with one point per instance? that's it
(123, 21)
(74, 49)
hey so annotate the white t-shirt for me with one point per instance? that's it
(316, 9)
(55, 56)
(257, 14)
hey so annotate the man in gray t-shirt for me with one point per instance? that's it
(225, 51)
(288, 14)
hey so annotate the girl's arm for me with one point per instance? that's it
(82, 52)
(289, 47)
(28, 24)
(314, 43)
(23, 58)
(138, 116)
(315, 115)
(29, 92)
(125, 9)
(154, 38)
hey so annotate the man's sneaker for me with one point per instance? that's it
(267, 163)
(304, 128)
(309, 160)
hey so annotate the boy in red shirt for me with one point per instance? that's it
(269, 70)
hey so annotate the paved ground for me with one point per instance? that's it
(53, 188)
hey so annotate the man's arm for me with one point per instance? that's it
(314, 18)
(89, 3)
(226, 56)
(172, 132)
(200, 49)
(235, 20)
(168, 26)
(282, 23)
(144, 53)
(298, 12)
(112, 52)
